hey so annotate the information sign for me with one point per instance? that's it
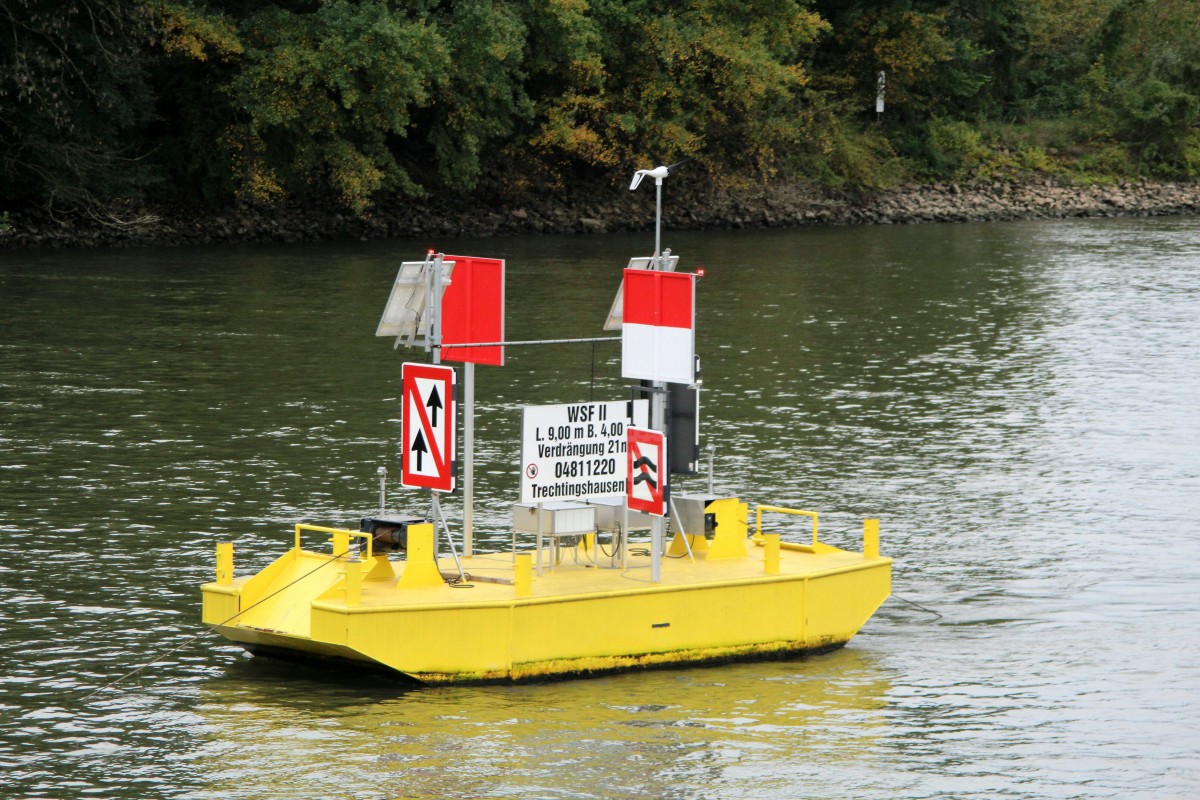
(576, 451)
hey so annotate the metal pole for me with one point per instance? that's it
(382, 473)
(539, 540)
(469, 460)
(439, 519)
(657, 218)
(658, 406)
(435, 336)
(711, 449)
(658, 411)
(528, 342)
(624, 534)
(433, 300)
(657, 530)
(433, 308)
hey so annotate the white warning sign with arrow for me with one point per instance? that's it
(427, 424)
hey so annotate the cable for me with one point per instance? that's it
(628, 577)
(600, 547)
(918, 605)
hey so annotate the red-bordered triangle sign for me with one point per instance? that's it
(647, 457)
(427, 422)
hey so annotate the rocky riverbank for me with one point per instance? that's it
(613, 209)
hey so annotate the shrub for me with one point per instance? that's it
(956, 148)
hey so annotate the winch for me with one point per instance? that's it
(390, 532)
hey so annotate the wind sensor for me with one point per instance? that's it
(658, 173)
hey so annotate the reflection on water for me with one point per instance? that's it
(1016, 402)
(681, 733)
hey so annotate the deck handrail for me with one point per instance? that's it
(782, 510)
(338, 532)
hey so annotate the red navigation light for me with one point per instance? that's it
(700, 272)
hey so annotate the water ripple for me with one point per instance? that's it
(1016, 402)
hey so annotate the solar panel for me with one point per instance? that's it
(404, 314)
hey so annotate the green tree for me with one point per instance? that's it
(716, 80)
(73, 102)
(995, 35)
(908, 41)
(323, 95)
(1150, 56)
(343, 99)
(483, 104)
(1059, 54)
(198, 53)
(110, 101)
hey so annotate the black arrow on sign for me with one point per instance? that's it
(419, 448)
(434, 402)
(644, 477)
(643, 463)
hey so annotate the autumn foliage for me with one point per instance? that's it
(107, 104)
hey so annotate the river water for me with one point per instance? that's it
(1019, 403)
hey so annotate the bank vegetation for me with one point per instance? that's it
(118, 113)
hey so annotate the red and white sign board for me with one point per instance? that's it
(658, 326)
(617, 309)
(427, 422)
(646, 454)
(473, 310)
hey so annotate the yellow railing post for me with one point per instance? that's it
(771, 553)
(225, 563)
(341, 543)
(354, 578)
(523, 574)
(870, 538)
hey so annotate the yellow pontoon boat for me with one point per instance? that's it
(736, 596)
(577, 593)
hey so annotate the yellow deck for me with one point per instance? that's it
(577, 618)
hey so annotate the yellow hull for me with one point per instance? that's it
(579, 618)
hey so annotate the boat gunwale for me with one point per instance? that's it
(341, 607)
